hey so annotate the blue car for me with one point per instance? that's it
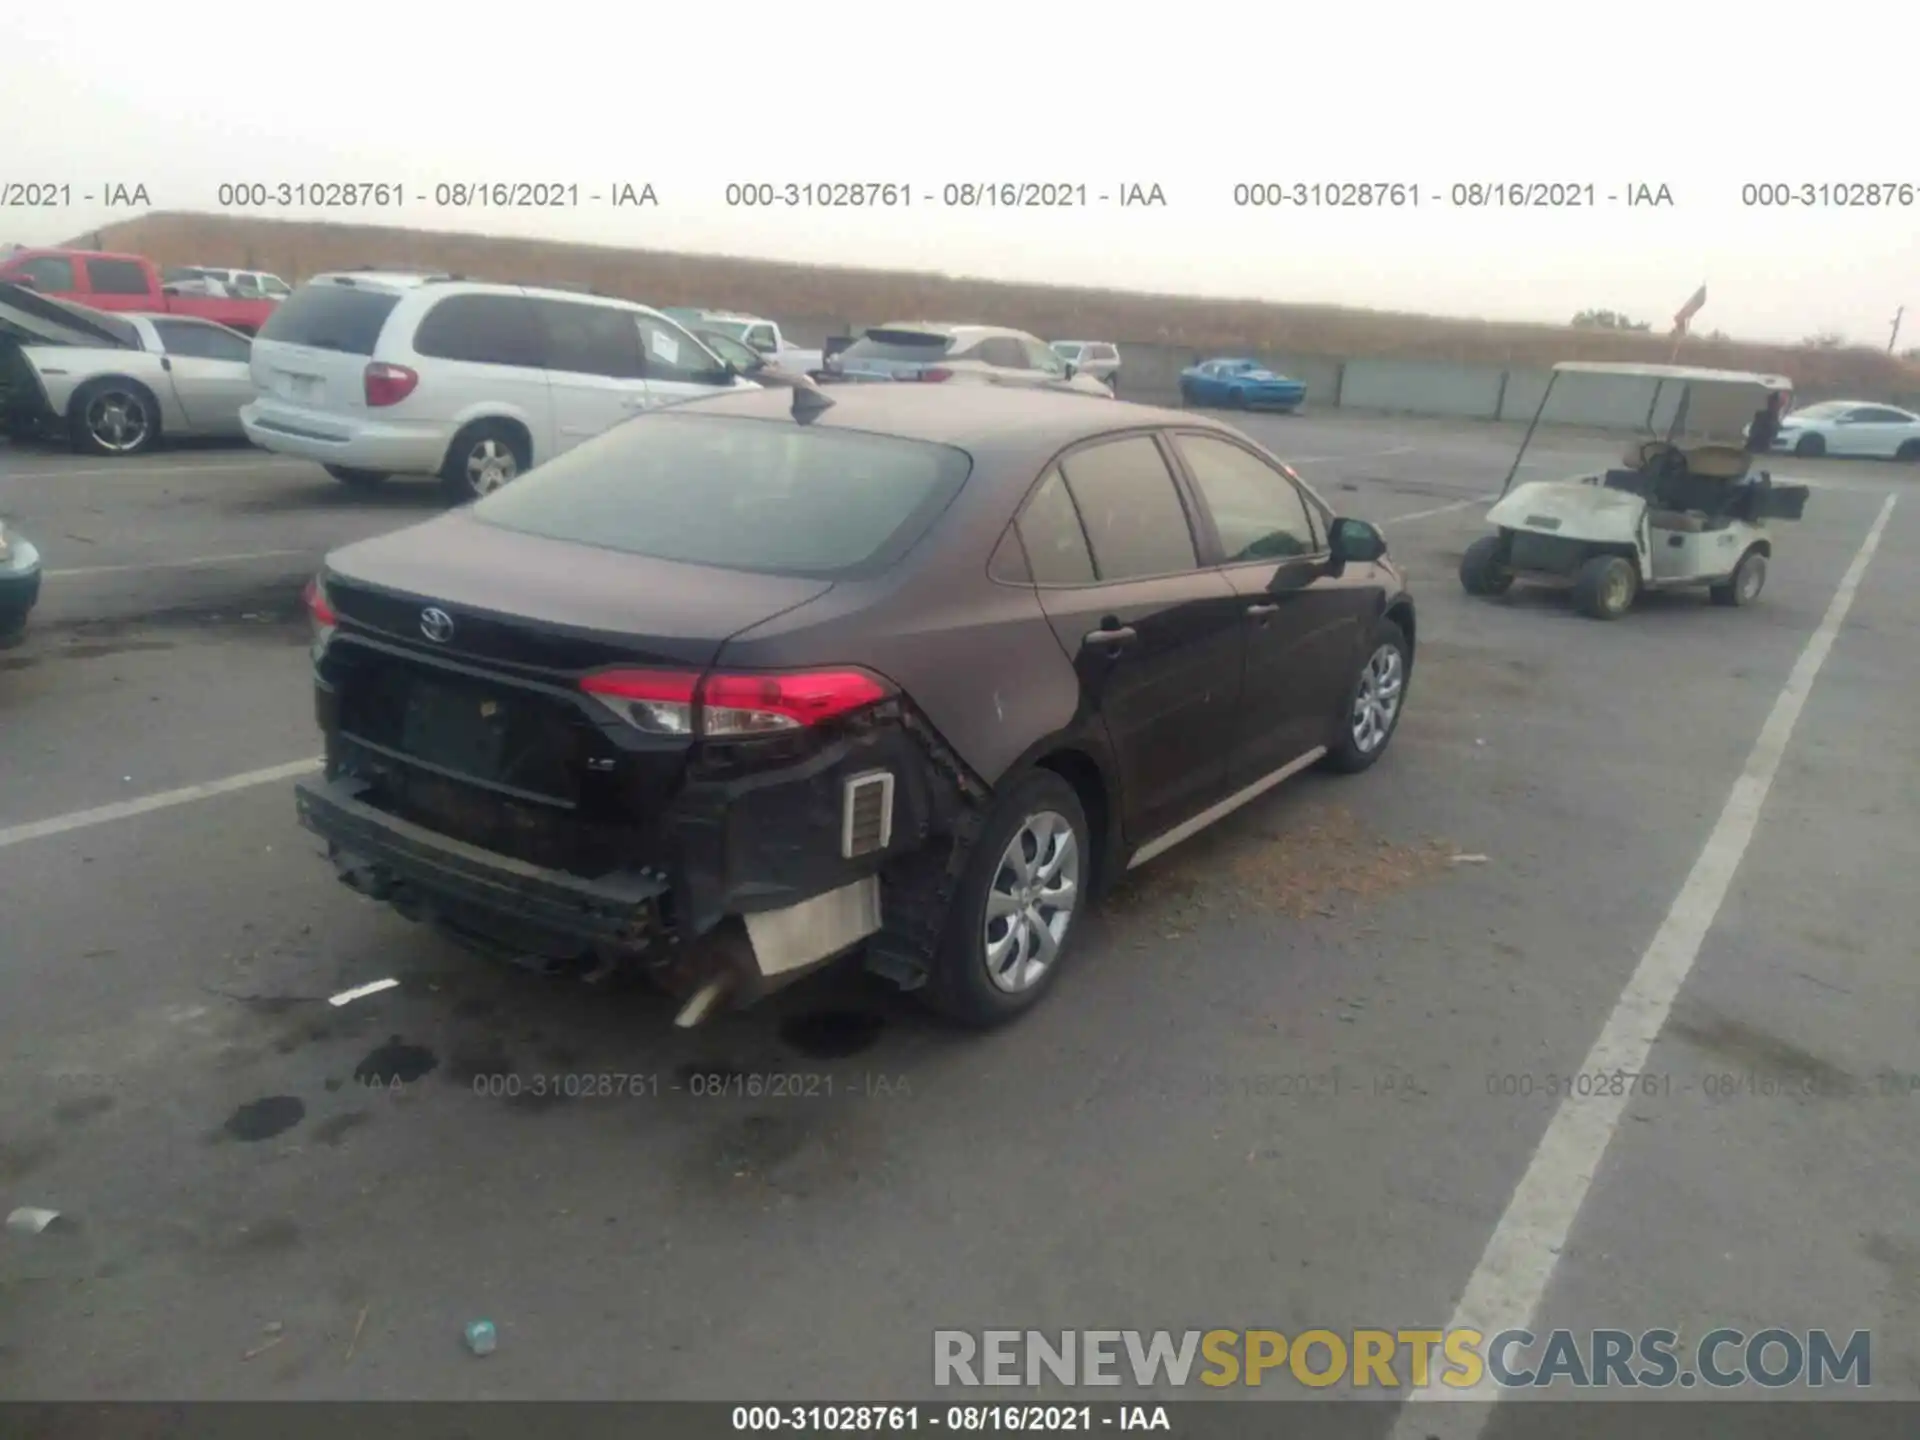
(1240, 385)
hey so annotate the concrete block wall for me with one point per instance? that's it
(1150, 374)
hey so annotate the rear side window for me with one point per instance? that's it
(591, 340)
(344, 318)
(204, 342)
(1103, 352)
(117, 277)
(756, 495)
(482, 330)
(1050, 531)
(1134, 520)
(913, 346)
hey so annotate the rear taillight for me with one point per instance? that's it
(389, 384)
(936, 373)
(732, 706)
(321, 613)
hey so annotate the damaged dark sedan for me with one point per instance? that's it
(743, 686)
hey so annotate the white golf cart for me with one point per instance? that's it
(1686, 511)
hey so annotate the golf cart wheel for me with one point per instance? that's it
(1744, 585)
(1910, 451)
(1017, 913)
(358, 479)
(1483, 569)
(1604, 587)
(1811, 445)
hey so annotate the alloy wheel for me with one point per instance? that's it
(1378, 700)
(1030, 903)
(118, 421)
(490, 464)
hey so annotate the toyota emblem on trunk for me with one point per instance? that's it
(436, 625)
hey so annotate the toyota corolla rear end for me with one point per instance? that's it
(534, 740)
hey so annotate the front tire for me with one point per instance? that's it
(1374, 703)
(1483, 569)
(483, 457)
(1810, 445)
(1744, 585)
(115, 418)
(356, 479)
(1909, 451)
(1018, 911)
(1605, 587)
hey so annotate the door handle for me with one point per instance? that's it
(1261, 611)
(1112, 639)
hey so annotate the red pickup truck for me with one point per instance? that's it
(124, 282)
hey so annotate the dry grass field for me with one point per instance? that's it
(867, 297)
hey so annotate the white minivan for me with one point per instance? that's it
(375, 373)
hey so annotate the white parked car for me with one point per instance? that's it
(246, 284)
(1851, 427)
(759, 334)
(377, 373)
(114, 384)
(1097, 358)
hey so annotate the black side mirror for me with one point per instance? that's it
(1356, 542)
(1072, 369)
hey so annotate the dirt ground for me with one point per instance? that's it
(294, 248)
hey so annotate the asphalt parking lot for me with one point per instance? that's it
(1299, 1076)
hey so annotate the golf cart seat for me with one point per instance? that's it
(1690, 522)
(1718, 462)
(1646, 454)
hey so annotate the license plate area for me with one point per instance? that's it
(457, 729)
(306, 388)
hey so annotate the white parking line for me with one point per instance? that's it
(1506, 1288)
(192, 563)
(185, 468)
(126, 809)
(1352, 455)
(1444, 509)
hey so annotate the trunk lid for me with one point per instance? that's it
(525, 602)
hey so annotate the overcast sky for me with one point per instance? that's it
(1194, 99)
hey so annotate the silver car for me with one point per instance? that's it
(114, 384)
(925, 351)
(1098, 358)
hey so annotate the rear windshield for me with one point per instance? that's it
(915, 346)
(768, 496)
(331, 317)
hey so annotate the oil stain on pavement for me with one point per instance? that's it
(265, 1118)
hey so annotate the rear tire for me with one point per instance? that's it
(116, 418)
(1039, 819)
(1810, 445)
(356, 479)
(482, 458)
(1744, 585)
(1482, 571)
(1374, 702)
(1604, 588)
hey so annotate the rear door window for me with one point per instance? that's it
(1136, 524)
(117, 277)
(343, 318)
(1003, 352)
(482, 330)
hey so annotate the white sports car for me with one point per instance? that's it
(1851, 427)
(114, 384)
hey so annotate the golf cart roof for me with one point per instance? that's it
(1686, 374)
